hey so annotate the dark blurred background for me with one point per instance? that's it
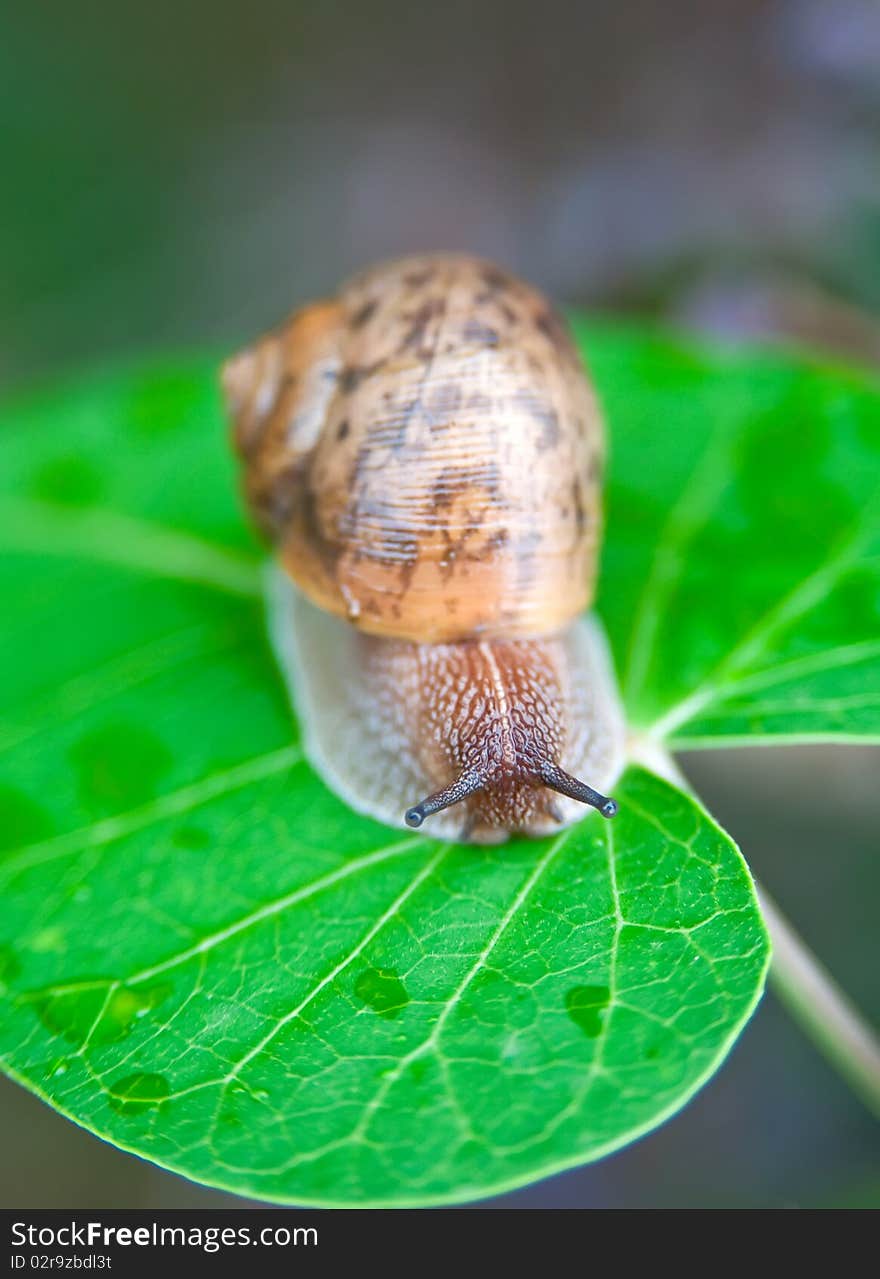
(182, 174)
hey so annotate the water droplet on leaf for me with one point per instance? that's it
(137, 1093)
(585, 1005)
(382, 990)
(10, 966)
(67, 481)
(128, 1005)
(70, 1014)
(21, 820)
(119, 766)
(191, 837)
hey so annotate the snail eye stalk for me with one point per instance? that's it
(557, 779)
(458, 790)
(550, 774)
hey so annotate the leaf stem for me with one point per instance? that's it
(813, 998)
(822, 1010)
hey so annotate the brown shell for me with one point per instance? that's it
(426, 452)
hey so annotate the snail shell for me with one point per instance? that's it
(425, 451)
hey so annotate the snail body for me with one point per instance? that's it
(425, 452)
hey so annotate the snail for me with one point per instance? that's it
(425, 453)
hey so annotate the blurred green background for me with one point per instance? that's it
(181, 175)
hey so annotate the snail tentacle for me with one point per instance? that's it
(458, 790)
(557, 779)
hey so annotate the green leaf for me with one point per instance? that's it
(268, 995)
(212, 962)
(741, 576)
